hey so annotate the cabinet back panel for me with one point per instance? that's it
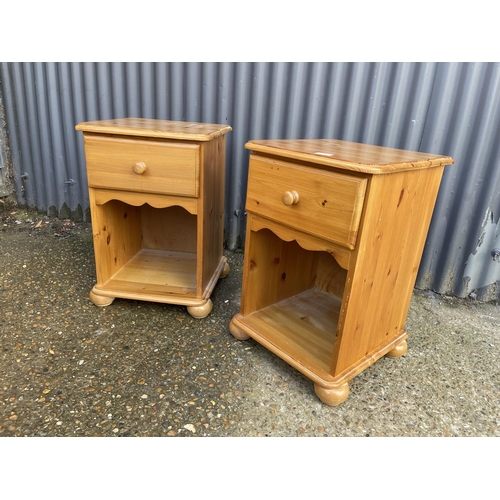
(172, 229)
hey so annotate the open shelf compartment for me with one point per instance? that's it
(303, 326)
(296, 300)
(146, 250)
(157, 271)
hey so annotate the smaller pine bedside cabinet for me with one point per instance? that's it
(334, 238)
(156, 192)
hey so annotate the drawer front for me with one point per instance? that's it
(142, 165)
(312, 200)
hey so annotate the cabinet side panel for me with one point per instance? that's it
(116, 229)
(212, 219)
(274, 270)
(380, 281)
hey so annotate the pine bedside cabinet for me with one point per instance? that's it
(156, 191)
(335, 234)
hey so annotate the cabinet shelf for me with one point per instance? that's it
(302, 326)
(157, 271)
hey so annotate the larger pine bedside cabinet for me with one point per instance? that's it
(334, 238)
(156, 191)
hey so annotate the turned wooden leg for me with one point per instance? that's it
(100, 300)
(398, 350)
(332, 397)
(200, 312)
(225, 271)
(237, 333)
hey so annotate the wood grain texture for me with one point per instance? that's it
(305, 240)
(274, 270)
(241, 330)
(164, 129)
(398, 209)
(170, 168)
(157, 271)
(329, 204)
(344, 307)
(303, 325)
(171, 228)
(351, 156)
(330, 276)
(102, 196)
(116, 229)
(157, 205)
(211, 230)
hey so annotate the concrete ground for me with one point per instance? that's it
(69, 368)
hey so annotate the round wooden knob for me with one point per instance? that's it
(290, 198)
(139, 167)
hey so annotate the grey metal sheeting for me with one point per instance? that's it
(443, 108)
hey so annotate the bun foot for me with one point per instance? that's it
(225, 271)
(200, 312)
(398, 350)
(100, 300)
(237, 333)
(332, 397)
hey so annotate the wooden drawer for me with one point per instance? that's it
(168, 168)
(326, 204)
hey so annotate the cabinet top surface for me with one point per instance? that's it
(165, 129)
(354, 156)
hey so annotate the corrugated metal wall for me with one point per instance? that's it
(444, 108)
(4, 190)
